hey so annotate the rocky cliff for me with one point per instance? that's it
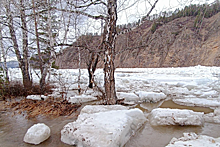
(176, 43)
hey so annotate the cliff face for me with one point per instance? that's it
(177, 43)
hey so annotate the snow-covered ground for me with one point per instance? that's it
(190, 86)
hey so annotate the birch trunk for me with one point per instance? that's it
(52, 57)
(23, 62)
(4, 65)
(109, 39)
(36, 19)
(25, 70)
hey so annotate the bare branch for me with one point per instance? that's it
(92, 3)
(152, 8)
(84, 14)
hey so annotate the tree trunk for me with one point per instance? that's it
(25, 69)
(91, 68)
(79, 68)
(36, 19)
(109, 39)
(23, 63)
(43, 77)
(52, 55)
(4, 65)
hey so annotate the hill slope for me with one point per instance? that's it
(177, 43)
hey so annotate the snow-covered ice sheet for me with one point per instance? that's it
(202, 102)
(152, 97)
(194, 140)
(166, 116)
(128, 96)
(103, 126)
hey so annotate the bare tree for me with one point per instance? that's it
(22, 57)
(52, 54)
(45, 35)
(109, 38)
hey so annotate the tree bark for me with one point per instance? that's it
(52, 55)
(36, 19)
(109, 38)
(23, 62)
(91, 68)
(4, 64)
(26, 77)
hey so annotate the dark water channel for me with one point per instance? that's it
(13, 129)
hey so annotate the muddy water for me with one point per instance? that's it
(172, 105)
(13, 129)
(160, 136)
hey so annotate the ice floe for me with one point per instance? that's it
(128, 96)
(166, 116)
(194, 140)
(152, 97)
(213, 117)
(37, 134)
(103, 126)
(202, 102)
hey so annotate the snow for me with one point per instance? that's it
(37, 97)
(37, 134)
(166, 116)
(194, 140)
(103, 126)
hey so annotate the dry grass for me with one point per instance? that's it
(50, 108)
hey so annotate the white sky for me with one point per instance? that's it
(142, 8)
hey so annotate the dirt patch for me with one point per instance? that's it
(33, 108)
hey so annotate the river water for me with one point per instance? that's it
(14, 127)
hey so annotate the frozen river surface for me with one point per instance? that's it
(195, 88)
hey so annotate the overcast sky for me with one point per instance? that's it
(142, 8)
